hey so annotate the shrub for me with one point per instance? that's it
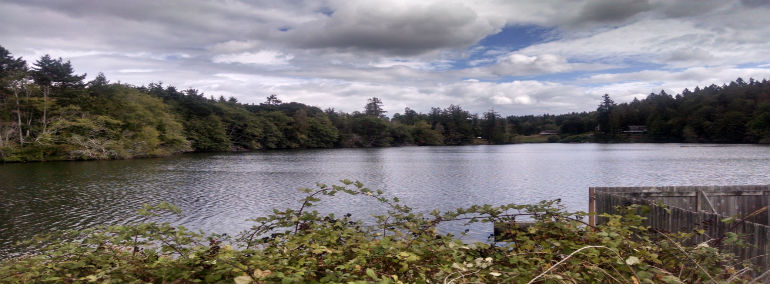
(402, 246)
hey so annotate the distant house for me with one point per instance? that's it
(549, 132)
(636, 129)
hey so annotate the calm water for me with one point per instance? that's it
(217, 192)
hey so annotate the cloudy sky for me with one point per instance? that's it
(516, 57)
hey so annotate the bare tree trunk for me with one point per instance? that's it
(3, 101)
(29, 117)
(5, 139)
(18, 117)
(45, 107)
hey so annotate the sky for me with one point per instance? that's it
(515, 57)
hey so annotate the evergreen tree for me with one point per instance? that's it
(47, 73)
(374, 108)
(56, 73)
(273, 100)
(604, 113)
(12, 82)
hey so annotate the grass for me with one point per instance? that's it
(531, 139)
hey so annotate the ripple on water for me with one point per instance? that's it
(217, 192)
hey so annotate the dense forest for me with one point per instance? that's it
(48, 112)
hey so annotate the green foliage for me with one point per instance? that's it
(582, 138)
(403, 245)
(370, 131)
(86, 136)
(142, 125)
(207, 134)
(759, 126)
(424, 135)
(321, 133)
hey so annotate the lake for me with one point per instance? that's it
(218, 192)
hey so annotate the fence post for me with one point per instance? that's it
(592, 207)
(698, 207)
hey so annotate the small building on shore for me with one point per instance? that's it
(549, 132)
(636, 129)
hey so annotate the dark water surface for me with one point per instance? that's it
(217, 192)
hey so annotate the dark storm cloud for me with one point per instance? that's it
(755, 3)
(194, 25)
(610, 11)
(150, 25)
(393, 29)
(676, 9)
(689, 54)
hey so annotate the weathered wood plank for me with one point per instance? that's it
(687, 208)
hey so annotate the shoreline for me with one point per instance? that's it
(687, 144)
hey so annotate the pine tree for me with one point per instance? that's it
(374, 108)
(604, 113)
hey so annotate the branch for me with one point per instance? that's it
(563, 260)
(686, 255)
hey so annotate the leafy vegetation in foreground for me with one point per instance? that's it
(47, 112)
(403, 246)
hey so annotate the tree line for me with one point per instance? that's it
(48, 112)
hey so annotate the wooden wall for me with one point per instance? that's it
(687, 208)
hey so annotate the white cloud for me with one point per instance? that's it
(262, 57)
(270, 81)
(338, 53)
(234, 46)
(137, 70)
(517, 64)
(673, 42)
(390, 62)
(691, 76)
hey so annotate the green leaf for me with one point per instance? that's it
(243, 279)
(631, 260)
(370, 273)
(211, 278)
(670, 279)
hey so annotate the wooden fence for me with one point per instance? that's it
(687, 208)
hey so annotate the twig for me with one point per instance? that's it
(563, 260)
(761, 255)
(607, 273)
(687, 255)
(742, 271)
(458, 277)
(740, 221)
(759, 277)
(304, 204)
(580, 221)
